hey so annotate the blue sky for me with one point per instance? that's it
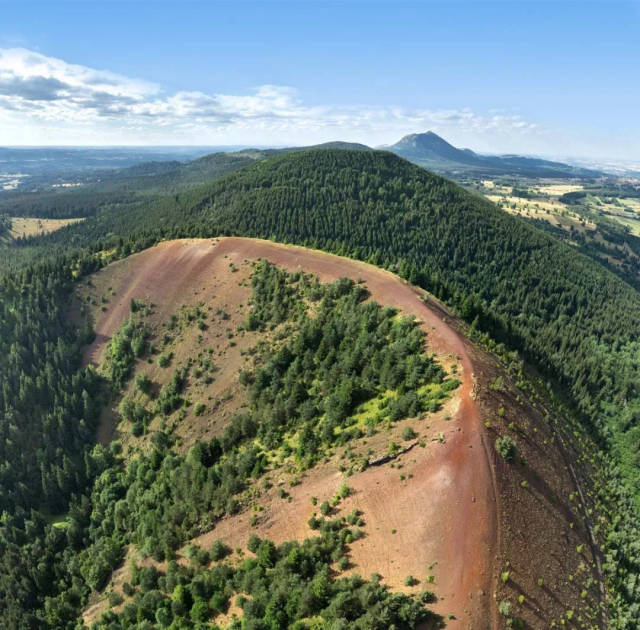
(555, 78)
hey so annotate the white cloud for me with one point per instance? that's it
(44, 100)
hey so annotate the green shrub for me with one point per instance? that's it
(427, 597)
(115, 599)
(143, 383)
(219, 550)
(409, 434)
(506, 448)
(344, 491)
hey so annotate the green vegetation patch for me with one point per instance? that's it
(327, 351)
(349, 362)
(293, 585)
(126, 345)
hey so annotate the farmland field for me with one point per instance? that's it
(25, 227)
(602, 219)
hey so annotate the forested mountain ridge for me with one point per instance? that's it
(118, 187)
(575, 320)
(107, 189)
(572, 317)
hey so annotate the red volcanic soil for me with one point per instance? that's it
(452, 509)
(444, 515)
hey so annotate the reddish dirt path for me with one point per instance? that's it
(448, 513)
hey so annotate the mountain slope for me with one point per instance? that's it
(108, 188)
(578, 323)
(117, 187)
(523, 285)
(449, 502)
(436, 154)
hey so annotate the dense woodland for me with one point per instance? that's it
(609, 240)
(5, 225)
(574, 320)
(121, 188)
(61, 205)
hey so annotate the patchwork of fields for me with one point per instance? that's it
(601, 219)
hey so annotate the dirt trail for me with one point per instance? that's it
(449, 510)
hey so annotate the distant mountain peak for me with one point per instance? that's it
(429, 145)
(433, 152)
(427, 137)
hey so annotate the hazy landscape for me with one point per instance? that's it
(304, 323)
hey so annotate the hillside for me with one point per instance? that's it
(523, 286)
(575, 322)
(84, 193)
(35, 168)
(599, 219)
(436, 154)
(120, 188)
(450, 503)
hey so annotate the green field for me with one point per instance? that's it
(602, 221)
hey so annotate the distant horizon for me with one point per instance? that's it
(533, 78)
(601, 160)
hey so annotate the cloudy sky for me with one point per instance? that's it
(539, 77)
